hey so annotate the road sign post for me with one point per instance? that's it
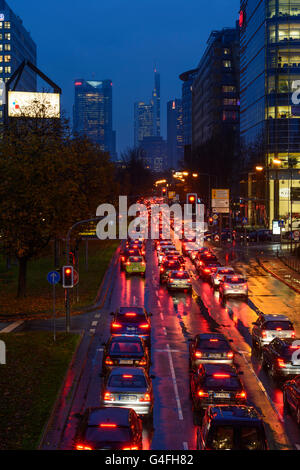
(53, 278)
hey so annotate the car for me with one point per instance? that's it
(206, 270)
(233, 286)
(125, 351)
(179, 280)
(268, 327)
(137, 245)
(187, 245)
(219, 275)
(207, 348)
(166, 268)
(109, 428)
(291, 398)
(135, 265)
(205, 258)
(162, 252)
(231, 427)
(280, 357)
(213, 384)
(132, 321)
(124, 255)
(128, 388)
(175, 257)
(261, 235)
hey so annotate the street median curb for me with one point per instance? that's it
(268, 270)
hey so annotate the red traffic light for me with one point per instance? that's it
(68, 277)
(191, 198)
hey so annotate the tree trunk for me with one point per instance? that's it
(22, 277)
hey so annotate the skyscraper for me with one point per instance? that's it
(156, 104)
(93, 112)
(270, 120)
(143, 122)
(174, 133)
(188, 79)
(16, 45)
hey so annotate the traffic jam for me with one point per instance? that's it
(180, 325)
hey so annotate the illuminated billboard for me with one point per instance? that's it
(29, 104)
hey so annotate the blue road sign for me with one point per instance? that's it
(245, 220)
(53, 277)
(281, 223)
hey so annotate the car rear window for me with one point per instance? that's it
(97, 434)
(180, 275)
(117, 347)
(238, 280)
(131, 317)
(172, 265)
(207, 344)
(135, 259)
(278, 325)
(226, 271)
(127, 381)
(229, 383)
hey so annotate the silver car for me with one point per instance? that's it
(128, 387)
(219, 275)
(267, 327)
(233, 286)
(179, 280)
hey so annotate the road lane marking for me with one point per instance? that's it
(165, 331)
(12, 326)
(92, 330)
(159, 303)
(162, 316)
(94, 323)
(185, 446)
(97, 315)
(167, 350)
(180, 415)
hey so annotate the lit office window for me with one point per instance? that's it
(226, 51)
(1, 24)
(229, 89)
(7, 47)
(1, 36)
(7, 58)
(7, 36)
(7, 24)
(8, 69)
(229, 101)
(227, 63)
(1, 47)
(1, 58)
(1, 71)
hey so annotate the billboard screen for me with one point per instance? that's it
(29, 104)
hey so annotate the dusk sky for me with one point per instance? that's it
(122, 40)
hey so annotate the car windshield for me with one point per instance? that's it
(97, 434)
(127, 381)
(180, 275)
(172, 265)
(119, 347)
(213, 344)
(278, 325)
(221, 381)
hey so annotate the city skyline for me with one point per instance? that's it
(124, 48)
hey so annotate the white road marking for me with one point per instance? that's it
(94, 323)
(93, 331)
(12, 326)
(167, 350)
(100, 349)
(297, 446)
(185, 446)
(159, 303)
(180, 415)
(162, 316)
(165, 331)
(134, 300)
(97, 315)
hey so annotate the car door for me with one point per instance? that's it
(295, 393)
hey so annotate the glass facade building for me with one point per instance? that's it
(143, 122)
(16, 45)
(174, 133)
(269, 119)
(92, 113)
(188, 79)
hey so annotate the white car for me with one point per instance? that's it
(219, 275)
(233, 286)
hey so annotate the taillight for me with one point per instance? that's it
(83, 447)
(263, 334)
(206, 270)
(143, 362)
(198, 354)
(146, 397)
(226, 286)
(131, 448)
(242, 395)
(116, 325)
(108, 397)
(280, 362)
(144, 326)
(202, 394)
(123, 258)
(107, 425)
(293, 334)
(161, 270)
(108, 361)
(128, 263)
(230, 354)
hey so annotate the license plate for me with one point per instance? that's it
(127, 397)
(221, 395)
(214, 355)
(132, 329)
(123, 361)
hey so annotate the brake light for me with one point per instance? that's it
(83, 447)
(293, 334)
(130, 314)
(144, 325)
(108, 397)
(171, 280)
(202, 394)
(226, 286)
(128, 263)
(127, 376)
(108, 361)
(116, 325)
(108, 425)
(146, 397)
(161, 270)
(123, 258)
(278, 329)
(198, 354)
(242, 395)
(264, 334)
(213, 340)
(230, 354)
(143, 362)
(221, 376)
(131, 448)
(280, 363)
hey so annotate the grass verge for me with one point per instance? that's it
(29, 383)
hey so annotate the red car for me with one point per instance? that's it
(291, 398)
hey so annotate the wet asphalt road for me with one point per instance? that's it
(176, 318)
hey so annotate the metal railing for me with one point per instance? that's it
(292, 261)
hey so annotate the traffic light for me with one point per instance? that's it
(164, 191)
(67, 277)
(210, 221)
(192, 200)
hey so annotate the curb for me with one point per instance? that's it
(277, 277)
(56, 403)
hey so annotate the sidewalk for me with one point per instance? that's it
(280, 271)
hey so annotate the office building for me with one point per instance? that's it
(270, 117)
(175, 134)
(92, 113)
(187, 79)
(156, 104)
(143, 122)
(16, 45)
(154, 153)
